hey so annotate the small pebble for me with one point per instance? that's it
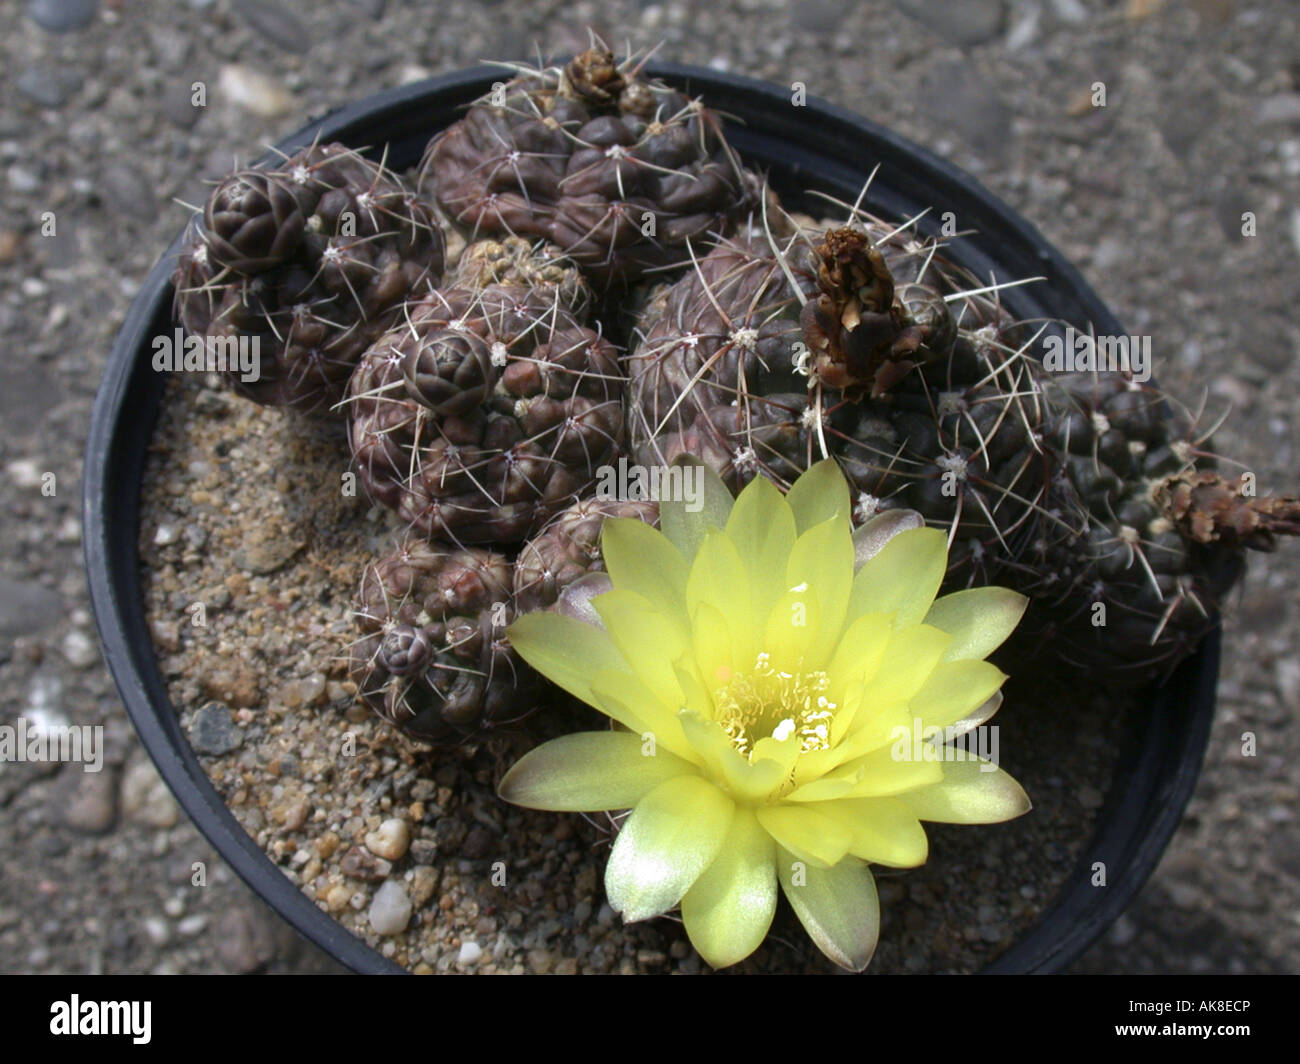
(146, 798)
(1287, 677)
(470, 952)
(292, 812)
(390, 840)
(969, 23)
(245, 939)
(11, 243)
(156, 930)
(359, 864)
(390, 911)
(127, 191)
(59, 16)
(277, 24)
(213, 730)
(424, 884)
(49, 86)
(22, 180)
(1282, 107)
(311, 688)
(255, 92)
(91, 802)
(80, 650)
(1122, 931)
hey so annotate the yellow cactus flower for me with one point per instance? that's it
(771, 690)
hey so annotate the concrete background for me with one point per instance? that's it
(1201, 124)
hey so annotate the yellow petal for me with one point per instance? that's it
(911, 657)
(985, 711)
(903, 578)
(818, 495)
(649, 646)
(822, 559)
(783, 752)
(860, 652)
(877, 774)
(729, 909)
(761, 526)
(972, 792)
(979, 619)
(883, 830)
(718, 578)
(715, 656)
(823, 789)
(630, 702)
(806, 832)
(793, 637)
(565, 651)
(674, 833)
(838, 907)
(955, 689)
(696, 695)
(589, 772)
(688, 515)
(640, 558)
(746, 780)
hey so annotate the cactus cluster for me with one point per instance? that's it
(617, 170)
(483, 396)
(1081, 489)
(312, 259)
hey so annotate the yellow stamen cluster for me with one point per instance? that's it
(767, 702)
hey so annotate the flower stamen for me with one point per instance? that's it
(767, 702)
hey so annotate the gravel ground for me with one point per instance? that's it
(1201, 124)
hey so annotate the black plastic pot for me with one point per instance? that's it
(817, 146)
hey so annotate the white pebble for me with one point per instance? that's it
(166, 535)
(254, 91)
(155, 928)
(390, 840)
(470, 952)
(311, 688)
(80, 650)
(24, 472)
(1288, 682)
(390, 912)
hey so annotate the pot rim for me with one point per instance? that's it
(1132, 828)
